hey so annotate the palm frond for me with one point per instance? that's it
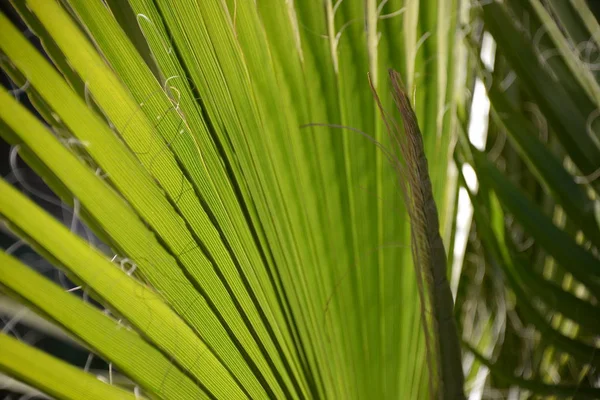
(535, 227)
(247, 247)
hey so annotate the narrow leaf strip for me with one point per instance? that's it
(491, 227)
(49, 374)
(126, 229)
(537, 387)
(566, 119)
(157, 156)
(126, 349)
(571, 196)
(217, 313)
(137, 303)
(582, 264)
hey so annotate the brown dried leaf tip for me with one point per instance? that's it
(441, 336)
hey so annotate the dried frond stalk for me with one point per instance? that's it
(441, 336)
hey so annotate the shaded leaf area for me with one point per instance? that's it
(529, 292)
(250, 247)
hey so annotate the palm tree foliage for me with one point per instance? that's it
(252, 250)
(246, 197)
(530, 279)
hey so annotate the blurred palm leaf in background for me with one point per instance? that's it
(246, 245)
(528, 295)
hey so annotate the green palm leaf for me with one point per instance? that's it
(534, 207)
(269, 250)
